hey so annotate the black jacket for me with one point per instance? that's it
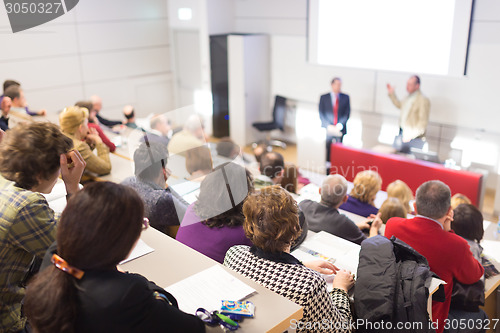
(324, 218)
(326, 111)
(111, 301)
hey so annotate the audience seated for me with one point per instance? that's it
(289, 180)
(129, 114)
(12, 89)
(227, 148)
(198, 163)
(448, 254)
(214, 222)
(161, 131)
(97, 102)
(272, 168)
(254, 166)
(94, 123)
(5, 105)
(32, 156)
(191, 136)
(400, 190)
(459, 199)
(228, 151)
(366, 185)
(391, 207)
(162, 205)
(466, 299)
(271, 223)
(74, 123)
(259, 150)
(324, 216)
(83, 291)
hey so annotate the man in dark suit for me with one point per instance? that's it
(334, 111)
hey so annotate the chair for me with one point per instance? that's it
(279, 112)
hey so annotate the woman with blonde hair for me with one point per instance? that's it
(392, 207)
(458, 199)
(361, 199)
(398, 189)
(74, 124)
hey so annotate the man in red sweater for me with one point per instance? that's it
(448, 254)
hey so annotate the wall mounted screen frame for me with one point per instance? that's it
(415, 36)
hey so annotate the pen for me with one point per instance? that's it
(226, 319)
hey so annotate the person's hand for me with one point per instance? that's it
(390, 89)
(343, 280)
(93, 137)
(322, 266)
(72, 166)
(364, 224)
(2, 133)
(376, 224)
(332, 130)
(42, 112)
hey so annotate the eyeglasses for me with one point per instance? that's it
(145, 223)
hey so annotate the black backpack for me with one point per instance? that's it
(392, 287)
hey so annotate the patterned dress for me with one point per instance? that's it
(285, 275)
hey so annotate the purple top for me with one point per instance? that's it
(212, 242)
(355, 206)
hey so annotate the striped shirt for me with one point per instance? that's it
(27, 228)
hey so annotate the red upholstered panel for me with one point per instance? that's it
(349, 161)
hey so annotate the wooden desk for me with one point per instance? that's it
(491, 284)
(173, 261)
(121, 168)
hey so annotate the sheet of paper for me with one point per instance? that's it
(310, 192)
(491, 249)
(139, 250)
(207, 289)
(58, 205)
(486, 224)
(191, 197)
(186, 187)
(435, 283)
(325, 246)
(58, 191)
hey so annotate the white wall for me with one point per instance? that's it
(119, 49)
(452, 99)
(463, 108)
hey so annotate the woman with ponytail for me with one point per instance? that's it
(82, 290)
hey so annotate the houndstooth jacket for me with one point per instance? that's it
(285, 275)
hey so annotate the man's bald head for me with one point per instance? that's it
(333, 190)
(97, 102)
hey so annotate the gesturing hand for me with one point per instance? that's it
(390, 89)
(72, 166)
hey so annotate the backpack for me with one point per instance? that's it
(392, 287)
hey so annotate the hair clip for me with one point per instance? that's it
(61, 264)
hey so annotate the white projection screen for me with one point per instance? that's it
(416, 36)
